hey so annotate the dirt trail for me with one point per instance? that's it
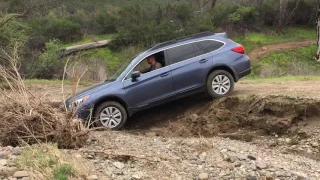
(265, 50)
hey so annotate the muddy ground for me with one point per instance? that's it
(263, 131)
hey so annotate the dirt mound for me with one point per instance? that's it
(245, 117)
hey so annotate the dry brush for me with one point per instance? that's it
(26, 118)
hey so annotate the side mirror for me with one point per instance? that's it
(135, 75)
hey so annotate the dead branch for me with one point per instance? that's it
(77, 48)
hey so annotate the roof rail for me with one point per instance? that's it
(198, 35)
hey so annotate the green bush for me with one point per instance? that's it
(59, 28)
(243, 15)
(12, 31)
(49, 65)
(106, 23)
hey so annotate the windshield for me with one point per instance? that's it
(121, 70)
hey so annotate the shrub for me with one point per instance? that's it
(106, 23)
(49, 65)
(244, 16)
(59, 28)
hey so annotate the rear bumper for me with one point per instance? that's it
(245, 73)
(242, 67)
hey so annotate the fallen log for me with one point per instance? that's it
(82, 47)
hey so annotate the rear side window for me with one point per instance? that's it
(210, 45)
(198, 50)
(180, 53)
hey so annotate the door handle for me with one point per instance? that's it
(165, 74)
(203, 60)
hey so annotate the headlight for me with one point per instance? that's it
(79, 101)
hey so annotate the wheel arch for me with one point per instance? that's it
(225, 68)
(112, 98)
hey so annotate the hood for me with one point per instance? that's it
(93, 88)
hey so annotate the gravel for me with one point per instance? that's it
(127, 156)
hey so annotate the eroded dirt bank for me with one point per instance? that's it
(239, 117)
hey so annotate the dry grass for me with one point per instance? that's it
(46, 161)
(26, 118)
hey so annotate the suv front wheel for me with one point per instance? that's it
(220, 83)
(111, 115)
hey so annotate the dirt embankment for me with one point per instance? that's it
(260, 52)
(242, 118)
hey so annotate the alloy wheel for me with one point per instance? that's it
(110, 117)
(221, 84)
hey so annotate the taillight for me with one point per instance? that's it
(239, 49)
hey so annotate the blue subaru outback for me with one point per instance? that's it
(204, 62)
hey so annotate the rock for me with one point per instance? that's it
(252, 157)
(137, 175)
(237, 164)
(7, 171)
(264, 48)
(3, 162)
(21, 174)
(229, 158)
(151, 134)
(242, 157)
(92, 177)
(194, 117)
(309, 151)
(224, 150)
(12, 178)
(315, 144)
(269, 178)
(118, 165)
(90, 156)
(25, 178)
(88, 141)
(16, 151)
(78, 155)
(4, 154)
(251, 177)
(203, 176)
(302, 178)
(261, 165)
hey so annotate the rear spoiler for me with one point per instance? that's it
(223, 34)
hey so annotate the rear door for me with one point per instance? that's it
(189, 64)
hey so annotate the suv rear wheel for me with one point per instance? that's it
(220, 83)
(110, 114)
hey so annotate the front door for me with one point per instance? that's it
(149, 88)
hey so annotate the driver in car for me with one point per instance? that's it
(153, 65)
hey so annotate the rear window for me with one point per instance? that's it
(210, 45)
(181, 53)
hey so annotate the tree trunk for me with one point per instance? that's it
(318, 31)
(213, 3)
(283, 8)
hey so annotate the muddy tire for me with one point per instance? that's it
(111, 115)
(220, 83)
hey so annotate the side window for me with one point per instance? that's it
(181, 53)
(198, 50)
(210, 45)
(150, 63)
